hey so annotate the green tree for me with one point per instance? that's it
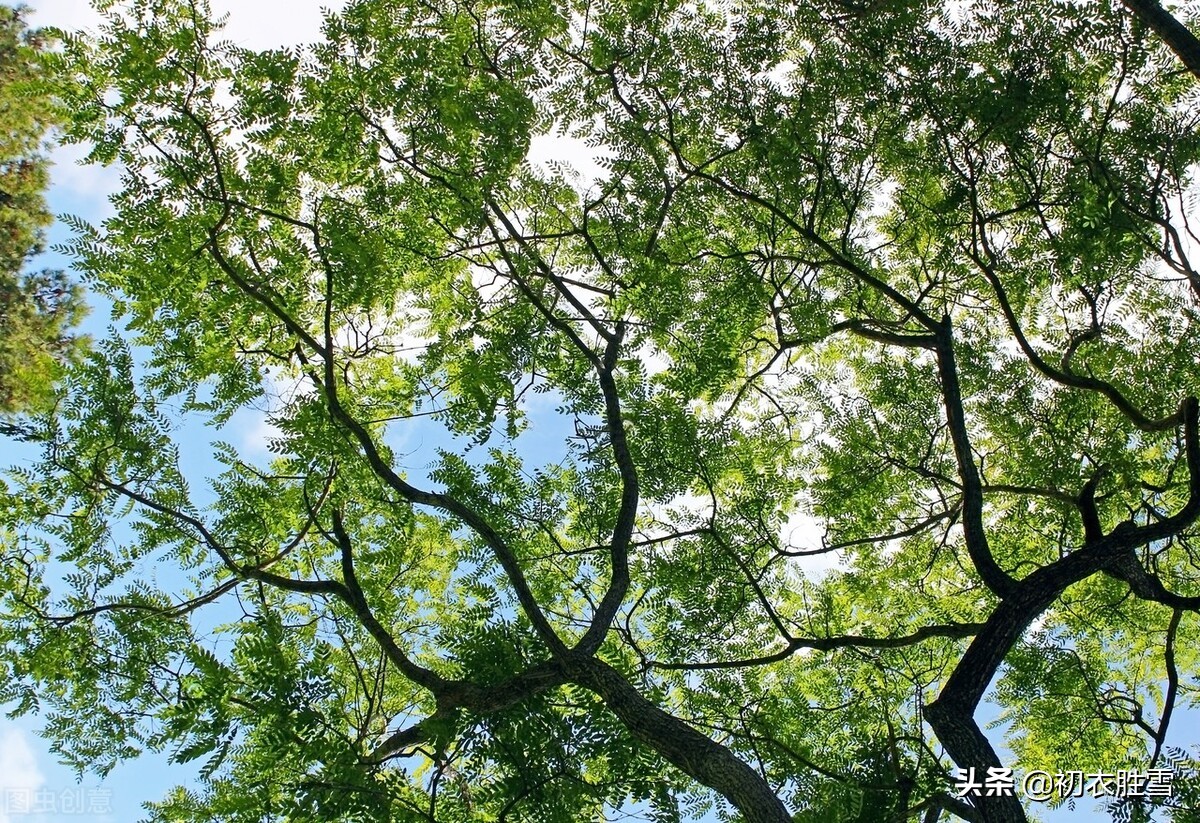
(918, 274)
(37, 309)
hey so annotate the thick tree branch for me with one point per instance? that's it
(1160, 736)
(1148, 586)
(952, 713)
(696, 755)
(461, 696)
(354, 597)
(1177, 36)
(618, 585)
(995, 578)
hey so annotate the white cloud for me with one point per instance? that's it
(252, 427)
(548, 150)
(262, 24)
(83, 188)
(64, 14)
(20, 777)
(271, 25)
(255, 431)
(803, 532)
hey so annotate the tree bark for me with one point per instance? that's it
(693, 753)
(1176, 35)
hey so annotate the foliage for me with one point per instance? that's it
(37, 309)
(901, 288)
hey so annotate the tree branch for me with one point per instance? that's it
(1177, 36)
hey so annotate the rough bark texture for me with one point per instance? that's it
(685, 748)
(1176, 35)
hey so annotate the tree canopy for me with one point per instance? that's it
(38, 310)
(906, 289)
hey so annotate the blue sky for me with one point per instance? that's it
(34, 788)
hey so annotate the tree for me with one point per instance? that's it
(918, 274)
(37, 309)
